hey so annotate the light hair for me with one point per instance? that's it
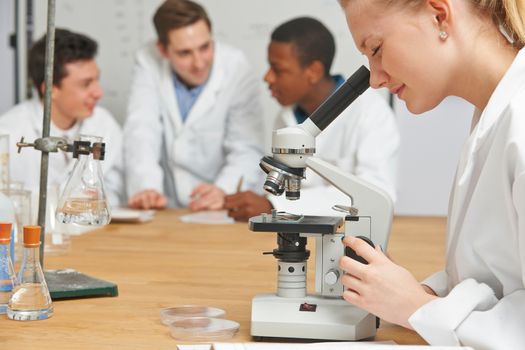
(509, 14)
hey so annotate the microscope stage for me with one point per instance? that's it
(307, 224)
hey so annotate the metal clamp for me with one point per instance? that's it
(46, 144)
(352, 211)
(54, 144)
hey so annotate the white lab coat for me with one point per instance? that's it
(363, 140)
(220, 141)
(483, 304)
(25, 119)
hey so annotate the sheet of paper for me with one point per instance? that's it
(208, 217)
(126, 215)
(278, 346)
(194, 347)
(329, 346)
(302, 346)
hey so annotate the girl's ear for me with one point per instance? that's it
(441, 10)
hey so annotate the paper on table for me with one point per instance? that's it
(329, 346)
(194, 347)
(306, 346)
(208, 217)
(131, 215)
(278, 346)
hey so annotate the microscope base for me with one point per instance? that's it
(333, 319)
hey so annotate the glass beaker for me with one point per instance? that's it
(58, 239)
(84, 200)
(21, 200)
(7, 272)
(4, 161)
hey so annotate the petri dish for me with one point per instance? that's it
(170, 314)
(203, 329)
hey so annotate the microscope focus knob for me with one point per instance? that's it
(331, 277)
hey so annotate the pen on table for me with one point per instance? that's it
(239, 184)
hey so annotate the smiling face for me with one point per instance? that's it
(404, 50)
(190, 52)
(77, 94)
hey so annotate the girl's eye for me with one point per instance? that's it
(375, 50)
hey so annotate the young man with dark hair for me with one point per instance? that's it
(194, 126)
(75, 92)
(364, 140)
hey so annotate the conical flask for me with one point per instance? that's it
(84, 200)
(30, 300)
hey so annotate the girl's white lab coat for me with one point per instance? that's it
(25, 119)
(220, 141)
(363, 140)
(483, 286)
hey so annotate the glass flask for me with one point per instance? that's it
(84, 200)
(30, 300)
(7, 272)
(4, 161)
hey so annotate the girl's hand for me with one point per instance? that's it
(382, 288)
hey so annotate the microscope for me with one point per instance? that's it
(291, 312)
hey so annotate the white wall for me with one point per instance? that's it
(7, 88)
(430, 143)
(430, 148)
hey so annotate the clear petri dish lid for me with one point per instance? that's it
(203, 329)
(170, 314)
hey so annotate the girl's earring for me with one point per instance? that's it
(443, 35)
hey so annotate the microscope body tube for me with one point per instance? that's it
(336, 103)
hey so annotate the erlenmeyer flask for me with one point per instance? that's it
(84, 200)
(30, 299)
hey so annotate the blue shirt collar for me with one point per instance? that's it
(179, 85)
(186, 96)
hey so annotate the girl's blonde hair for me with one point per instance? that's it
(509, 14)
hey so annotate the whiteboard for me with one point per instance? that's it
(430, 144)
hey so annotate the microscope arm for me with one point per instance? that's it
(371, 200)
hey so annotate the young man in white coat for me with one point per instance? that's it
(194, 127)
(74, 111)
(363, 140)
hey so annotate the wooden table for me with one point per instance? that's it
(167, 263)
